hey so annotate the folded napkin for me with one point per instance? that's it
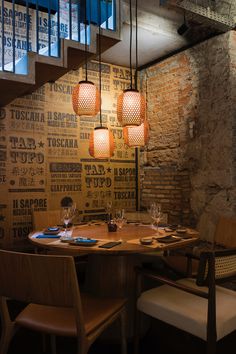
(48, 236)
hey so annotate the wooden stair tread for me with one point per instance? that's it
(42, 69)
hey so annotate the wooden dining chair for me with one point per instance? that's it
(186, 261)
(198, 306)
(225, 232)
(142, 217)
(138, 217)
(43, 219)
(49, 285)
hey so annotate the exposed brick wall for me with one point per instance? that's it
(171, 188)
(191, 112)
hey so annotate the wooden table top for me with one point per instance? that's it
(129, 235)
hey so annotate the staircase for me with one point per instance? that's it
(50, 56)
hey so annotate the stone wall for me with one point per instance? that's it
(190, 99)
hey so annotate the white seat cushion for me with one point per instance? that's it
(189, 312)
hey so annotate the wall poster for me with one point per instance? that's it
(44, 157)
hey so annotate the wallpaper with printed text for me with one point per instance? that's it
(44, 157)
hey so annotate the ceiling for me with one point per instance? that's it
(157, 32)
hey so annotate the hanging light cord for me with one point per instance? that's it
(100, 62)
(130, 44)
(136, 45)
(86, 43)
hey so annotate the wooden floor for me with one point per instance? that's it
(160, 339)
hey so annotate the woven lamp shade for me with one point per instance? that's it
(101, 143)
(131, 108)
(136, 136)
(86, 99)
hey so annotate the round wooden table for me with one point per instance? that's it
(100, 232)
(110, 272)
(129, 236)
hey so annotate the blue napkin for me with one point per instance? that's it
(48, 236)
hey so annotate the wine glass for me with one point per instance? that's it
(120, 218)
(67, 214)
(155, 213)
(108, 209)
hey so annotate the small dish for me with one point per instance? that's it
(53, 230)
(83, 241)
(181, 231)
(146, 241)
(169, 239)
(66, 239)
(168, 229)
(173, 226)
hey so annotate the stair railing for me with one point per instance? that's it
(39, 26)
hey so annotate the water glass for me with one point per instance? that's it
(67, 214)
(108, 209)
(120, 218)
(155, 213)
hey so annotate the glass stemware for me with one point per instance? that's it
(120, 218)
(67, 214)
(155, 213)
(108, 209)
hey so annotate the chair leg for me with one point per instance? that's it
(211, 347)
(53, 343)
(83, 346)
(137, 331)
(123, 332)
(7, 334)
(44, 342)
(9, 327)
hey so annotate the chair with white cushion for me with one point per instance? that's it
(198, 306)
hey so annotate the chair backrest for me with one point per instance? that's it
(42, 219)
(216, 266)
(143, 217)
(40, 279)
(225, 233)
(138, 216)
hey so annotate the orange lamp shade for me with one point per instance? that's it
(101, 143)
(86, 99)
(136, 136)
(131, 108)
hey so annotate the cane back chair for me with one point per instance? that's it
(186, 261)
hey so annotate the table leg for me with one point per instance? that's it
(114, 276)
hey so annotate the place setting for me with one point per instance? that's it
(164, 233)
(62, 232)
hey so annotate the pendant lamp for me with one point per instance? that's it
(85, 99)
(101, 142)
(85, 95)
(131, 103)
(136, 136)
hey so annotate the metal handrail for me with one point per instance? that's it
(39, 26)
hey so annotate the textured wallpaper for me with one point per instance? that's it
(44, 159)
